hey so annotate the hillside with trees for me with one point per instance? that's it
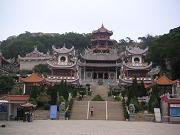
(24, 43)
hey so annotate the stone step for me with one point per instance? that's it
(115, 111)
(79, 110)
(99, 110)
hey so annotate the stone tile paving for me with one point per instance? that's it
(91, 127)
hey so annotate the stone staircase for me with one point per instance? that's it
(103, 110)
(115, 111)
(79, 110)
(99, 110)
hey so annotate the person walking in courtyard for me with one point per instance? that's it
(92, 110)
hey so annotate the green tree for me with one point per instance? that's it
(6, 84)
(42, 69)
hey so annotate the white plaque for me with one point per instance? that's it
(157, 114)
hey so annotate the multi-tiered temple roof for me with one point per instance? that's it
(63, 65)
(100, 61)
(103, 30)
(70, 60)
(135, 66)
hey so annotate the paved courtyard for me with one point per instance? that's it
(80, 127)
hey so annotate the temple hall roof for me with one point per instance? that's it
(33, 78)
(90, 55)
(102, 30)
(35, 54)
(136, 50)
(164, 80)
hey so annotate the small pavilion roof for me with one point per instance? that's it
(33, 78)
(164, 80)
(16, 98)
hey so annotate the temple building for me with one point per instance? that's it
(32, 59)
(135, 66)
(100, 62)
(63, 66)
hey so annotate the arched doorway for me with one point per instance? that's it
(106, 76)
(94, 75)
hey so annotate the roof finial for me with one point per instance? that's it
(35, 48)
(64, 45)
(102, 25)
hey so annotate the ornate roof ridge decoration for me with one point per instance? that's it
(60, 78)
(136, 50)
(56, 65)
(63, 50)
(164, 80)
(154, 71)
(35, 54)
(10, 60)
(142, 66)
(128, 80)
(102, 30)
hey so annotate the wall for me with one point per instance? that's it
(29, 65)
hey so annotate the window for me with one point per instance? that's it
(62, 59)
(136, 60)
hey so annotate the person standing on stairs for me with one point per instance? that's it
(92, 110)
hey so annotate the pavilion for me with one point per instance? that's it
(166, 85)
(30, 81)
(9, 105)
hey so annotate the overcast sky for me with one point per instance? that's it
(126, 18)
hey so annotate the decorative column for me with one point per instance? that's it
(24, 88)
(9, 110)
(103, 76)
(116, 74)
(172, 90)
(84, 73)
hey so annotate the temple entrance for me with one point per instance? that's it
(106, 76)
(100, 75)
(94, 75)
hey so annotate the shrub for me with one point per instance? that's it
(46, 106)
(117, 98)
(33, 101)
(154, 102)
(136, 103)
(126, 115)
(42, 99)
(97, 98)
